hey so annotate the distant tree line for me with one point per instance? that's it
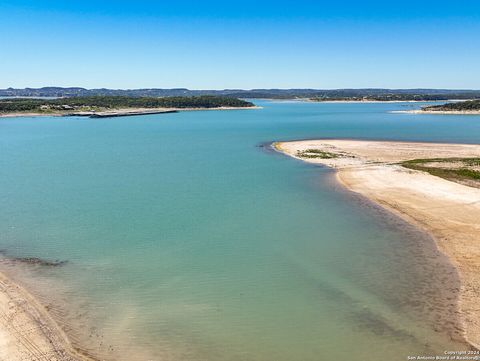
(330, 94)
(394, 97)
(116, 102)
(459, 106)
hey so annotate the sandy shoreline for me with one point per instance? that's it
(27, 331)
(121, 112)
(449, 211)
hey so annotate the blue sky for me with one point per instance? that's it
(245, 44)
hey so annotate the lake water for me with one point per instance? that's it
(186, 240)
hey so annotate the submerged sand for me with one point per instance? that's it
(27, 332)
(449, 211)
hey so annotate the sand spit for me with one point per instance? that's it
(449, 211)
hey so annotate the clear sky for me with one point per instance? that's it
(240, 44)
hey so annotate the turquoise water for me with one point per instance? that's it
(186, 240)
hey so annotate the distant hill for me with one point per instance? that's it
(316, 94)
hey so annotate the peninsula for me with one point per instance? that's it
(114, 106)
(435, 186)
(468, 107)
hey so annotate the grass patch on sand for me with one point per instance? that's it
(316, 153)
(455, 169)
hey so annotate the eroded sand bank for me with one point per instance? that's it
(448, 210)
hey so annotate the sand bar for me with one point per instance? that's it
(448, 210)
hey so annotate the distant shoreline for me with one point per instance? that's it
(440, 112)
(118, 112)
(308, 100)
(372, 101)
(371, 168)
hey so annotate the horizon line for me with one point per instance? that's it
(236, 89)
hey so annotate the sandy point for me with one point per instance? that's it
(449, 211)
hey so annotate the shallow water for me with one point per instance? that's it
(185, 240)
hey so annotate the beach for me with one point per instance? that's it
(449, 211)
(27, 332)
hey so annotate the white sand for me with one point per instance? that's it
(27, 332)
